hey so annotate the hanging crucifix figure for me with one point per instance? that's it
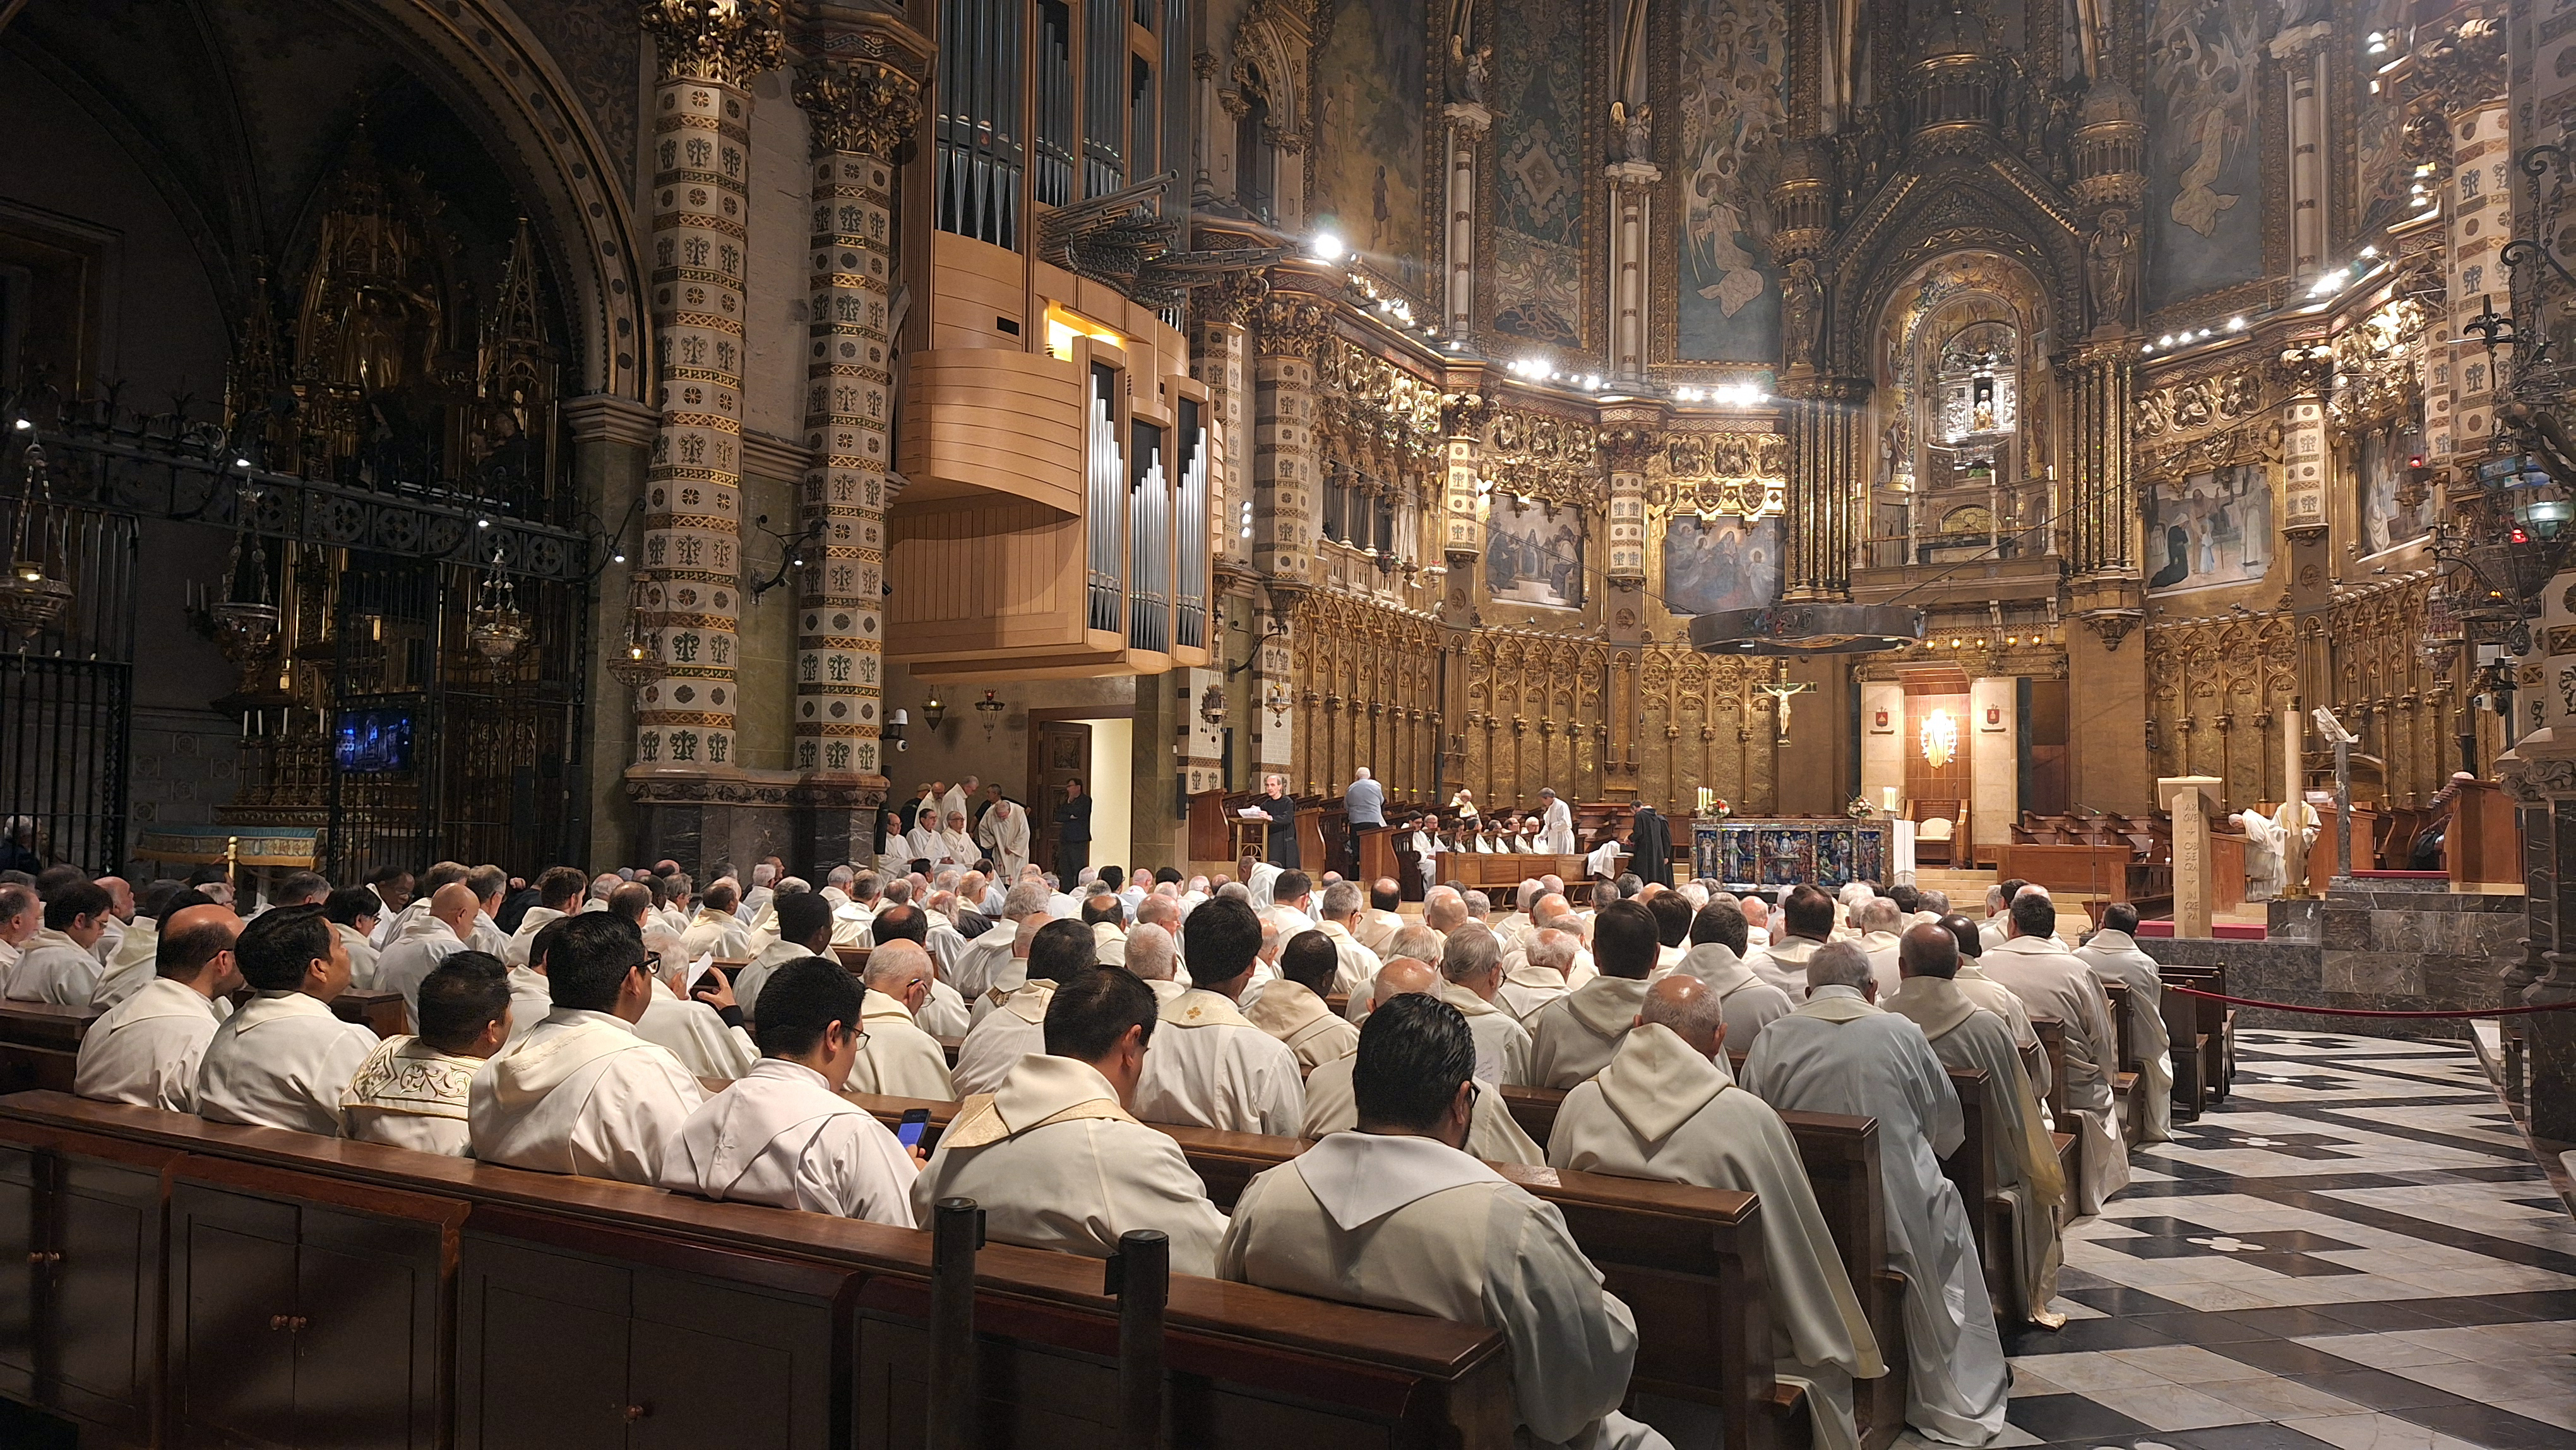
(1780, 690)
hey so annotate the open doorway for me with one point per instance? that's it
(1086, 744)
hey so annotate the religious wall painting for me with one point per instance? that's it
(2392, 512)
(1534, 553)
(1366, 182)
(1715, 564)
(2210, 529)
(1543, 168)
(2206, 131)
(1731, 94)
(2381, 174)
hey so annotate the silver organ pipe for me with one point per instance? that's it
(1107, 497)
(1190, 615)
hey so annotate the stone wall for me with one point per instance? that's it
(2408, 946)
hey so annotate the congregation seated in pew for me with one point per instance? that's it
(896, 1058)
(1396, 1215)
(1332, 1099)
(1839, 1053)
(283, 1060)
(413, 1091)
(147, 1048)
(1210, 1067)
(1667, 1108)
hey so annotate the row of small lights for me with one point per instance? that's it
(2325, 286)
(1395, 311)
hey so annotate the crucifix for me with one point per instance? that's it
(1780, 690)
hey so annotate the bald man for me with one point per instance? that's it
(1667, 1109)
(430, 938)
(897, 1058)
(1332, 1103)
(145, 1050)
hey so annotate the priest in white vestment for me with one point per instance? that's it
(1472, 962)
(1396, 1216)
(1054, 1157)
(137, 957)
(1984, 991)
(1576, 1036)
(581, 1093)
(1879, 920)
(1293, 1008)
(412, 1091)
(1666, 1108)
(1337, 916)
(804, 930)
(2114, 956)
(1718, 944)
(2022, 1158)
(59, 964)
(1535, 975)
(715, 931)
(1004, 835)
(283, 1060)
(1153, 956)
(896, 1058)
(1384, 917)
(957, 844)
(1014, 1023)
(2052, 982)
(1840, 1054)
(782, 1135)
(992, 959)
(432, 937)
(135, 946)
(1805, 922)
(559, 893)
(703, 1029)
(1556, 833)
(944, 1014)
(146, 1049)
(1209, 1067)
(1332, 1105)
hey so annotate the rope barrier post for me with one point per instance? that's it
(1140, 1275)
(956, 1232)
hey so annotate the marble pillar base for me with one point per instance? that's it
(700, 820)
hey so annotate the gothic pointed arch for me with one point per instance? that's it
(1958, 204)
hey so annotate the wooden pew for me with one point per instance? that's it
(2207, 1026)
(2133, 1118)
(1687, 1261)
(312, 1284)
(40, 1044)
(2051, 1050)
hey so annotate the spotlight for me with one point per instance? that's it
(1328, 248)
(2236, 324)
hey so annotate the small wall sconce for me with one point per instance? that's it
(1212, 707)
(894, 727)
(934, 710)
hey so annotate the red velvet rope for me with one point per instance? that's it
(2363, 1011)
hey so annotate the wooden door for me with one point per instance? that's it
(23, 1268)
(366, 1353)
(1064, 753)
(710, 1364)
(103, 1307)
(541, 1348)
(232, 1298)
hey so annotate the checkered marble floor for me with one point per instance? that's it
(2354, 1252)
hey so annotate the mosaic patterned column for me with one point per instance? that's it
(693, 488)
(860, 113)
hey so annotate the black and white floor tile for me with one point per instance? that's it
(2354, 1252)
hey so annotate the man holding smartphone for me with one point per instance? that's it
(781, 1135)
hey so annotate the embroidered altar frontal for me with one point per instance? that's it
(1748, 852)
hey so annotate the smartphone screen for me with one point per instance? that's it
(908, 1133)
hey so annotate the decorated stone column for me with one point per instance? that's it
(1627, 440)
(1632, 198)
(859, 113)
(708, 53)
(1468, 123)
(1218, 349)
(1293, 326)
(1465, 414)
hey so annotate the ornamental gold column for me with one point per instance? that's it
(860, 113)
(708, 52)
(1293, 325)
(1823, 417)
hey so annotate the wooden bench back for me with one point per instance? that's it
(545, 1269)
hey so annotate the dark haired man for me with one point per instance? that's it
(581, 1093)
(559, 893)
(1576, 1035)
(146, 1049)
(283, 1060)
(1804, 922)
(1210, 1067)
(1396, 1216)
(60, 962)
(1292, 1008)
(352, 914)
(411, 1092)
(1013, 1024)
(782, 1136)
(1053, 1156)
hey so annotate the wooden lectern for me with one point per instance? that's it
(2192, 799)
